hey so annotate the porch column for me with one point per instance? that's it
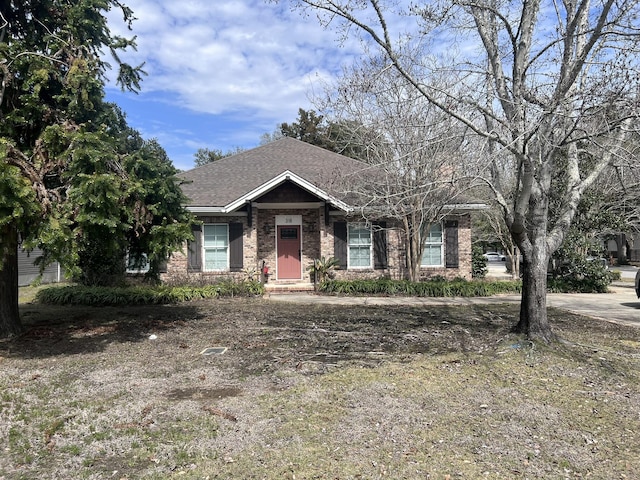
(252, 226)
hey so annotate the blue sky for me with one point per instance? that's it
(223, 72)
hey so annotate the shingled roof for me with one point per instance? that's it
(220, 185)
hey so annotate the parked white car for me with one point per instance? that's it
(494, 257)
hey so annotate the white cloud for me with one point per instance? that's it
(230, 55)
(223, 72)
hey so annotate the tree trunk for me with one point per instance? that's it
(412, 245)
(621, 243)
(10, 323)
(414, 261)
(514, 261)
(533, 307)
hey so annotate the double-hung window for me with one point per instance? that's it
(216, 247)
(432, 253)
(359, 245)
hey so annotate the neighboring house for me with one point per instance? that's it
(272, 206)
(29, 272)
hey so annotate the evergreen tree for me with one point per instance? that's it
(70, 169)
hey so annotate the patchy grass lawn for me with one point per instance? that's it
(315, 392)
(28, 294)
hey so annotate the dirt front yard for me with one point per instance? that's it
(327, 392)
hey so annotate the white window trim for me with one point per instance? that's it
(440, 243)
(204, 249)
(360, 267)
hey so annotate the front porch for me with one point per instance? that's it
(288, 242)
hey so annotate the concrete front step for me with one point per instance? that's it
(288, 287)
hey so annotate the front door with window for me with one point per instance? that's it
(289, 253)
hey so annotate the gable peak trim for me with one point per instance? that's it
(287, 175)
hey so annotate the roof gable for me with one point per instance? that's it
(227, 184)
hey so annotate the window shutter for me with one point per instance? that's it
(451, 244)
(194, 250)
(163, 266)
(340, 243)
(380, 245)
(236, 256)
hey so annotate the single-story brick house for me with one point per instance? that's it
(273, 206)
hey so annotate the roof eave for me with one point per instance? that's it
(200, 209)
(466, 207)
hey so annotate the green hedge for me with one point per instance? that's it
(577, 285)
(438, 288)
(144, 295)
(456, 288)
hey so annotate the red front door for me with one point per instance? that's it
(289, 253)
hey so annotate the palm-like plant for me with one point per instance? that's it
(322, 267)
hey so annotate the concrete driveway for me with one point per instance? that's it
(620, 306)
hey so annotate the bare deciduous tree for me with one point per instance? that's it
(418, 152)
(551, 84)
(490, 227)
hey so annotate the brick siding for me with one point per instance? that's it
(317, 241)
